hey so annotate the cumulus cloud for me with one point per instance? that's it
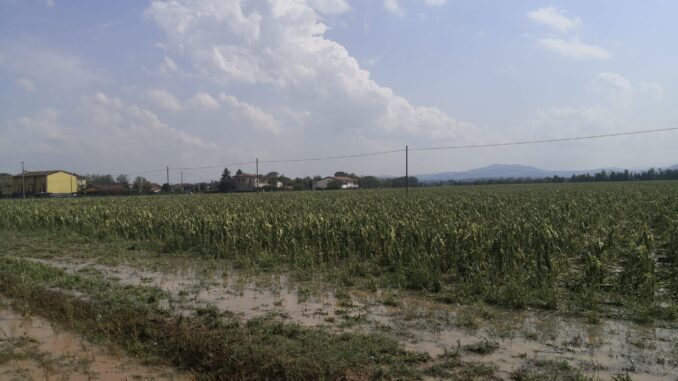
(133, 123)
(125, 134)
(168, 66)
(555, 19)
(47, 65)
(393, 6)
(330, 7)
(653, 90)
(280, 48)
(26, 84)
(435, 3)
(615, 86)
(575, 121)
(203, 101)
(165, 99)
(621, 91)
(573, 48)
(254, 115)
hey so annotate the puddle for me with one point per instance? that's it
(601, 350)
(32, 349)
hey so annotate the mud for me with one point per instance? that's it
(32, 349)
(601, 350)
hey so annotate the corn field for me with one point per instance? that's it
(614, 243)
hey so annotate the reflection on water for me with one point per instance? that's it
(603, 349)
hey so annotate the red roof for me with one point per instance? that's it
(341, 178)
(106, 188)
(43, 173)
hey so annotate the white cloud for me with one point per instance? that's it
(203, 101)
(369, 62)
(26, 84)
(168, 66)
(165, 99)
(283, 53)
(40, 130)
(621, 91)
(574, 48)
(653, 90)
(435, 3)
(118, 136)
(615, 86)
(47, 68)
(394, 7)
(555, 18)
(561, 122)
(252, 114)
(131, 125)
(330, 7)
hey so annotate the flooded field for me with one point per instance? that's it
(536, 282)
(508, 340)
(32, 348)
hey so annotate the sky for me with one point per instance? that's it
(132, 86)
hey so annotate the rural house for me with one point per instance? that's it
(245, 182)
(335, 182)
(5, 184)
(55, 182)
(106, 189)
(277, 184)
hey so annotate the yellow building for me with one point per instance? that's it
(51, 182)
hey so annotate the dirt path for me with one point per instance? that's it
(31, 348)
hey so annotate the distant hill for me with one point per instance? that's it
(498, 171)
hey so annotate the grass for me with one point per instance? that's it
(483, 347)
(549, 370)
(211, 344)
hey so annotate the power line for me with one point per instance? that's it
(368, 154)
(144, 172)
(546, 140)
(333, 157)
(215, 166)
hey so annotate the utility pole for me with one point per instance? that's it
(23, 180)
(182, 181)
(407, 170)
(168, 184)
(256, 183)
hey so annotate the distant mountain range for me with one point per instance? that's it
(498, 171)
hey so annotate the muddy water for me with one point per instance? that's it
(33, 350)
(646, 353)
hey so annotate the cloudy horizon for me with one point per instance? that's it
(132, 86)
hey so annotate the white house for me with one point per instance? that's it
(344, 182)
(265, 184)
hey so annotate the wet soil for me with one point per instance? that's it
(32, 349)
(506, 339)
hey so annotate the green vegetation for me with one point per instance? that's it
(567, 246)
(211, 344)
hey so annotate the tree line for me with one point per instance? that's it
(601, 176)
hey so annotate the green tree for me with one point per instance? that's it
(141, 185)
(368, 182)
(123, 180)
(98, 179)
(226, 182)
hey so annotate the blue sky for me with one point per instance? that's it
(129, 86)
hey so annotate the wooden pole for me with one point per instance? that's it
(407, 171)
(23, 180)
